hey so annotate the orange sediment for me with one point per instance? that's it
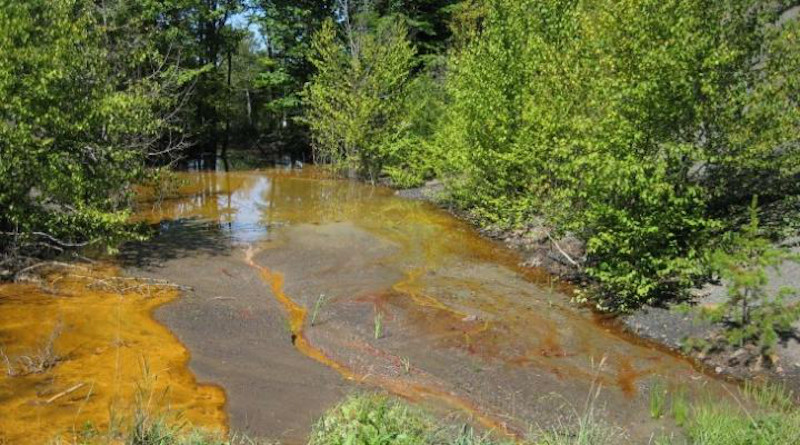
(105, 340)
(413, 391)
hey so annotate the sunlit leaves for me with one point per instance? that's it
(630, 123)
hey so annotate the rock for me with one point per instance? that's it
(740, 357)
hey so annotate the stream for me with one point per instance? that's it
(305, 289)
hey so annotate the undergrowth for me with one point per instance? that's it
(758, 415)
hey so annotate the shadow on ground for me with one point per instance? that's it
(176, 239)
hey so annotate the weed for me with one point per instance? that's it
(680, 406)
(406, 363)
(41, 360)
(321, 300)
(378, 322)
(723, 424)
(372, 420)
(769, 395)
(584, 428)
(658, 393)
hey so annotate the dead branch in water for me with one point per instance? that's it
(562, 252)
(37, 362)
(123, 285)
(65, 392)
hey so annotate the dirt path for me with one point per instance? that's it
(414, 302)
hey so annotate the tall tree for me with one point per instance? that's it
(83, 109)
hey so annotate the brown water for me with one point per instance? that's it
(414, 303)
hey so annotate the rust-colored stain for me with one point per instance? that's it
(107, 340)
(412, 391)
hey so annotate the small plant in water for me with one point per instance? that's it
(378, 322)
(658, 398)
(767, 395)
(321, 300)
(36, 362)
(406, 362)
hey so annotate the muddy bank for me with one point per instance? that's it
(667, 326)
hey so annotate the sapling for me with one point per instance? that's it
(753, 315)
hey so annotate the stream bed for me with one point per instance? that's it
(306, 289)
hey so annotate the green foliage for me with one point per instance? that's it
(658, 399)
(718, 424)
(633, 124)
(752, 314)
(679, 406)
(357, 99)
(73, 123)
(371, 420)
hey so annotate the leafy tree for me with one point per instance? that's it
(287, 28)
(633, 124)
(356, 101)
(78, 121)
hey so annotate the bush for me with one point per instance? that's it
(633, 124)
(371, 420)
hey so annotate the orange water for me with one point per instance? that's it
(110, 348)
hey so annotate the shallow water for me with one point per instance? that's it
(411, 301)
(110, 349)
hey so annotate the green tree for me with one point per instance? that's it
(357, 98)
(633, 124)
(77, 123)
(752, 314)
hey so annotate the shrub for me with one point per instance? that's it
(371, 420)
(633, 124)
(753, 315)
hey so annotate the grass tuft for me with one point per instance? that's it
(658, 399)
(378, 322)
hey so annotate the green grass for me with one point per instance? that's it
(658, 399)
(378, 320)
(714, 424)
(321, 300)
(679, 405)
(761, 415)
(769, 395)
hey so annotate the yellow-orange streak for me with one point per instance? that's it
(413, 391)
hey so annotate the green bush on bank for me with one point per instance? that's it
(82, 108)
(630, 123)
